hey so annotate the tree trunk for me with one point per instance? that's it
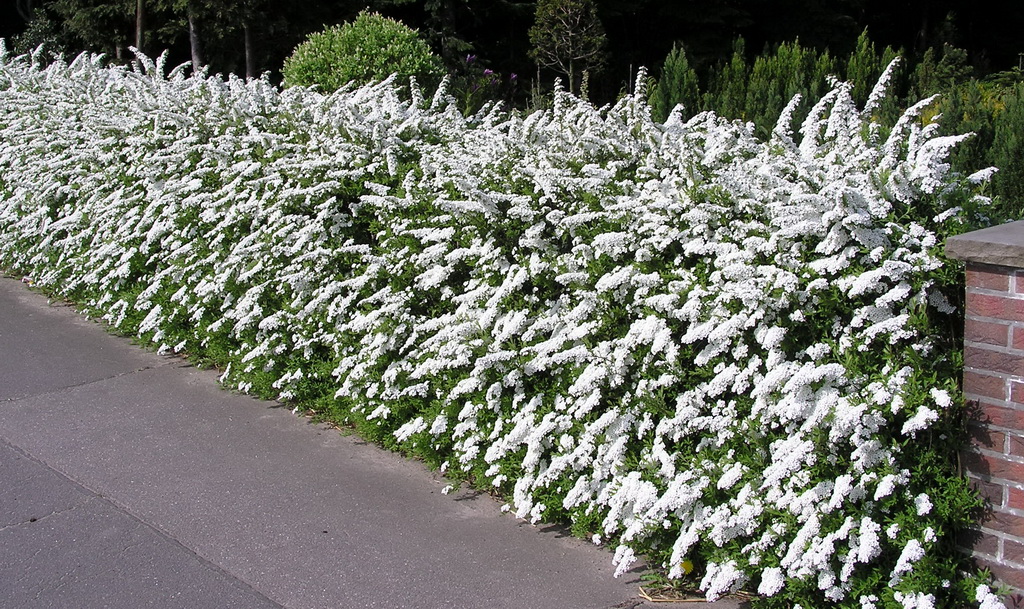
(250, 51)
(193, 39)
(139, 24)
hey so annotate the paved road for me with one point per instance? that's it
(129, 479)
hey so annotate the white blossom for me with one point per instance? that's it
(986, 599)
(923, 504)
(630, 315)
(772, 580)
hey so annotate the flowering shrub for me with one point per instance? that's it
(725, 354)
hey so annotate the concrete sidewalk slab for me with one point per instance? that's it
(35, 335)
(261, 501)
(63, 546)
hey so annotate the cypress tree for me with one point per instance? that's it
(1007, 152)
(727, 92)
(678, 84)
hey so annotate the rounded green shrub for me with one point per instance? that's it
(368, 49)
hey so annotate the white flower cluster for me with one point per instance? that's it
(697, 337)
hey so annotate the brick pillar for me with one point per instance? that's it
(994, 378)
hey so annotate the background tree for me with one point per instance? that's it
(727, 88)
(25, 9)
(439, 23)
(370, 48)
(106, 26)
(637, 32)
(933, 76)
(206, 25)
(776, 77)
(678, 84)
(567, 35)
(866, 64)
(140, 24)
(193, 33)
(1008, 147)
(43, 30)
(251, 14)
(492, 31)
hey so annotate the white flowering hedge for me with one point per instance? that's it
(693, 345)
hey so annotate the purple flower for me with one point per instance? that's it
(513, 77)
(470, 58)
(488, 72)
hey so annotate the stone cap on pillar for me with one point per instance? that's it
(1001, 245)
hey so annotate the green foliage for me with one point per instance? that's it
(368, 49)
(865, 65)
(992, 109)
(474, 86)
(994, 113)
(41, 32)
(678, 85)
(755, 92)
(101, 25)
(935, 76)
(775, 79)
(439, 23)
(727, 90)
(1008, 150)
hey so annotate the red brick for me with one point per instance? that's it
(1011, 524)
(984, 437)
(1017, 335)
(988, 278)
(976, 383)
(990, 491)
(1017, 392)
(979, 541)
(994, 361)
(1006, 574)
(1014, 498)
(1013, 551)
(1016, 446)
(999, 307)
(1000, 415)
(988, 332)
(993, 466)
(1005, 469)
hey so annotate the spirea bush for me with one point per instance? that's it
(368, 49)
(690, 343)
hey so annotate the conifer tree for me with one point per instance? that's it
(677, 85)
(1008, 150)
(776, 78)
(727, 92)
(865, 65)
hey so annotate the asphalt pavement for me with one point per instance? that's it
(132, 480)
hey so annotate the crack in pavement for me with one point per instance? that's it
(38, 519)
(61, 390)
